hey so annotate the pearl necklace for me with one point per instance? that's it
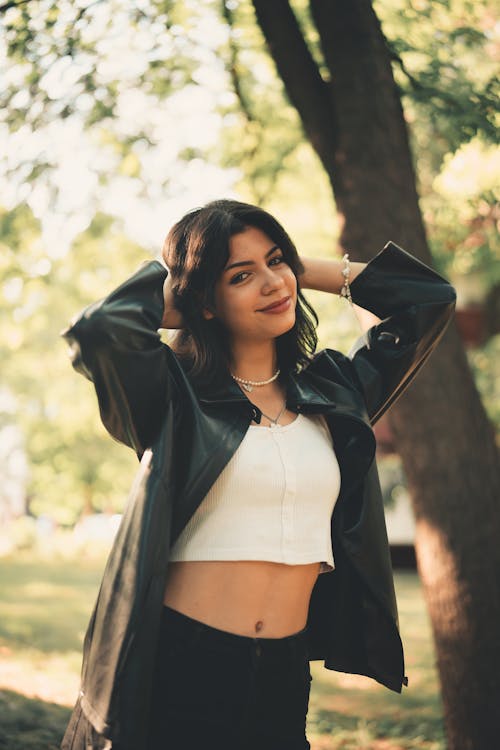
(248, 385)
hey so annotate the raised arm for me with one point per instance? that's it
(115, 343)
(414, 305)
(325, 274)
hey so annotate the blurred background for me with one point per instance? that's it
(117, 118)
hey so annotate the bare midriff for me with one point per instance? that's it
(246, 597)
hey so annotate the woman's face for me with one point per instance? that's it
(255, 277)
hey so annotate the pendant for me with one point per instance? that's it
(247, 387)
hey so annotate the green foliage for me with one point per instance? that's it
(443, 56)
(463, 209)
(22, 533)
(74, 465)
(484, 363)
(444, 63)
(262, 129)
(85, 64)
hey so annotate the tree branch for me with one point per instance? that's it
(85, 9)
(227, 14)
(424, 88)
(252, 118)
(12, 4)
(306, 89)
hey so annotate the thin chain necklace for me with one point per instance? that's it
(275, 421)
(248, 385)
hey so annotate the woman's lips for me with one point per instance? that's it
(282, 307)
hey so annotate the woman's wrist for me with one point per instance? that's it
(325, 274)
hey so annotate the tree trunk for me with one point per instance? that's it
(356, 124)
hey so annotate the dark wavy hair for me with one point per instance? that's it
(196, 252)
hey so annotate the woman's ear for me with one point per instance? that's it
(207, 307)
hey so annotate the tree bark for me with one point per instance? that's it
(356, 124)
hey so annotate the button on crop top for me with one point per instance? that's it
(273, 501)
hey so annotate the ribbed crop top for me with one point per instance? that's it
(273, 501)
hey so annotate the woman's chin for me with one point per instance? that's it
(284, 326)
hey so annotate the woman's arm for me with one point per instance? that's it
(115, 343)
(414, 305)
(325, 275)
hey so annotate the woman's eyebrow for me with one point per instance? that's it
(250, 262)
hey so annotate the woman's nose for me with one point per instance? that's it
(272, 280)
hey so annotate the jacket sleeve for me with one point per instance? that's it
(115, 343)
(415, 305)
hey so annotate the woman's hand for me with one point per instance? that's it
(172, 318)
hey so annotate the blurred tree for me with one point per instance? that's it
(74, 466)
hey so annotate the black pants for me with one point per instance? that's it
(218, 690)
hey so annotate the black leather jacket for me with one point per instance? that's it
(185, 438)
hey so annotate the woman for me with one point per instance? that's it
(254, 537)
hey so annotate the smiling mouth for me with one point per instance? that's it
(277, 305)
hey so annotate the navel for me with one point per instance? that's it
(258, 626)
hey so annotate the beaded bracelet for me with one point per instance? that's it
(346, 290)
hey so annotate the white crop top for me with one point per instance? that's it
(273, 501)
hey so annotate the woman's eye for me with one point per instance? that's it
(238, 277)
(241, 276)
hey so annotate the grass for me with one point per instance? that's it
(45, 606)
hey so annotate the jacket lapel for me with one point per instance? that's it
(313, 392)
